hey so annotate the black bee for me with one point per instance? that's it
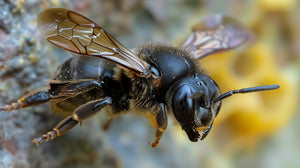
(155, 79)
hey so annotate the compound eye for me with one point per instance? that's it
(183, 105)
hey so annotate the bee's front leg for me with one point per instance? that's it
(83, 112)
(160, 121)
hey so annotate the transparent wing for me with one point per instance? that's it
(214, 34)
(76, 33)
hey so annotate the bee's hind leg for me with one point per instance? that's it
(30, 99)
(81, 113)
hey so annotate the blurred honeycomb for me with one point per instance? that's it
(246, 118)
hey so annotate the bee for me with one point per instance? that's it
(154, 79)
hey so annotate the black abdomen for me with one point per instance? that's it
(75, 69)
(84, 68)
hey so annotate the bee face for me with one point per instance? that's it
(192, 105)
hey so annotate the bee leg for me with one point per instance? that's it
(61, 128)
(160, 121)
(83, 112)
(30, 99)
(57, 90)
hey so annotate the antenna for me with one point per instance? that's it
(246, 90)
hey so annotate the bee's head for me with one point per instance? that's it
(193, 106)
(196, 101)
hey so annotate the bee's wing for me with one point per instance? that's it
(76, 33)
(214, 34)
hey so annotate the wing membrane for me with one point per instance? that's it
(215, 34)
(76, 33)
